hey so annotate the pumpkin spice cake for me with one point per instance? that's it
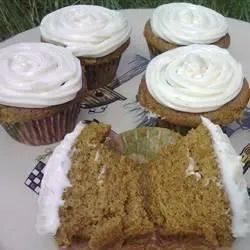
(193, 184)
(191, 196)
(96, 35)
(41, 92)
(183, 84)
(180, 24)
(103, 203)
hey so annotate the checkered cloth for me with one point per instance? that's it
(35, 177)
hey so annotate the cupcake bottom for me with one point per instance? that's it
(102, 71)
(182, 121)
(157, 45)
(41, 126)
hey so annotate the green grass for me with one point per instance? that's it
(19, 15)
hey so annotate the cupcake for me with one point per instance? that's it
(96, 35)
(180, 24)
(40, 92)
(182, 84)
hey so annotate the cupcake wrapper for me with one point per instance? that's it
(100, 74)
(44, 131)
(143, 144)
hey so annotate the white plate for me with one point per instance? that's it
(18, 204)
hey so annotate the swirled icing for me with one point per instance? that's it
(184, 24)
(36, 75)
(194, 78)
(89, 31)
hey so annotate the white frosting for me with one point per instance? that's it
(54, 182)
(101, 176)
(190, 170)
(87, 30)
(232, 179)
(194, 78)
(36, 75)
(185, 23)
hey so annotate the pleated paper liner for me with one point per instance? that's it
(47, 130)
(101, 71)
(143, 144)
(100, 74)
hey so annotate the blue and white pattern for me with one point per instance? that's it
(243, 124)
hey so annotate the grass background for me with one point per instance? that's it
(19, 15)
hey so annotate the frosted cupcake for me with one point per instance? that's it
(180, 24)
(40, 92)
(96, 35)
(182, 84)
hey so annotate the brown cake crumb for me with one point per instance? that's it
(157, 45)
(104, 204)
(223, 116)
(179, 202)
(173, 201)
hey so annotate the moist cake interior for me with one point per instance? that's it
(178, 199)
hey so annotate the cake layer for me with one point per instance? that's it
(196, 187)
(104, 203)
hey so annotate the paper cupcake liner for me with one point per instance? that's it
(143, 144)
(47, 130)
(100, 74)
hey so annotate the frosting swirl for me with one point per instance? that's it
(194, 78)
(184, 24)
(36, 75)
(87, 30)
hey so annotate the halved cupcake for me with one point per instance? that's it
(190, 195)
(40, 92)
(96, 35)
(182, 84)
(180, 24)
(196, 190)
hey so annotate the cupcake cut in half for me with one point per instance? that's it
(192, 195)
(40, 92)
(180, 24)
(96, 35)
(182, 84)
(103, 204)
